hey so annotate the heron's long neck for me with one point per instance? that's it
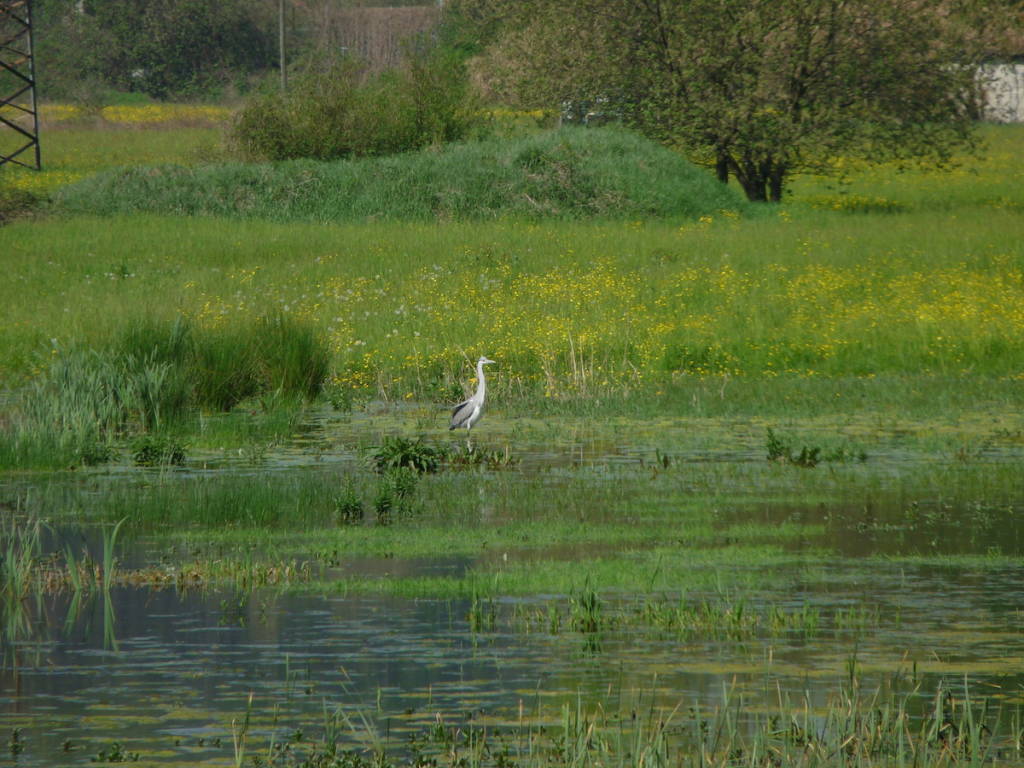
(481, 383)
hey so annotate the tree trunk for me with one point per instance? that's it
(762, 180)
(754, 188)
(776, 181)
(722, 167)
(748, 174)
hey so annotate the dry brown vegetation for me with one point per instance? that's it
(374, 35)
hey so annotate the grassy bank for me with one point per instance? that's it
(567, 174)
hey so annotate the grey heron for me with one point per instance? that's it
(467, 413)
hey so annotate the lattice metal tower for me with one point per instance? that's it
(19, 114)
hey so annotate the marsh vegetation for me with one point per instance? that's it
(748, 491)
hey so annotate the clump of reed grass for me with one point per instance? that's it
(725, 618)
(348, 505)
(148, 380)
(482, 615)
(395, 494)
(229, 363)
(19, 554)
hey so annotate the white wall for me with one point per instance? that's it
(1004, 92)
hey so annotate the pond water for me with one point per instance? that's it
(165, 672)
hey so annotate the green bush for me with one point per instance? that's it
(335, 110)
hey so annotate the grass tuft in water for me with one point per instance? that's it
(395, 491)
(148, 380)
(348, 505)
(159, 450)
(19, 555)
(886, 727)
(403, 452)
(781, 451)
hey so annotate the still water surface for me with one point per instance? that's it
(181, 666)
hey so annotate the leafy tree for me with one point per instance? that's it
(173, 47)
(758, 89)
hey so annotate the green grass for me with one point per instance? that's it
(801, 308)
(71, 153)
(401, 303)
(567, 174)
(989, 180)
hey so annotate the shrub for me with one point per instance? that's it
(336, 110)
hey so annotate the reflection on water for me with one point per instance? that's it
(185, 664)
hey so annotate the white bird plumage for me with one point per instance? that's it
(467, 413)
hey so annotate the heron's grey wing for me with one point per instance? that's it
(461, 413)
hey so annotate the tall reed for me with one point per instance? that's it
(149, 379)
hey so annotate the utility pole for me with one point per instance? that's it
(280, 45)
(17, 78)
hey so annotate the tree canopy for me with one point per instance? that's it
(756, 88)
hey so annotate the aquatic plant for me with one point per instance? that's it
(19, 555)
(854, 727)
(480, 456)
(240, 733)
(396, 452)
(724, 616)
(348, 505)
(116, 753)
(585, 611)
(151, 450)
(482, 614)
(781, 450)
(395, 493)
